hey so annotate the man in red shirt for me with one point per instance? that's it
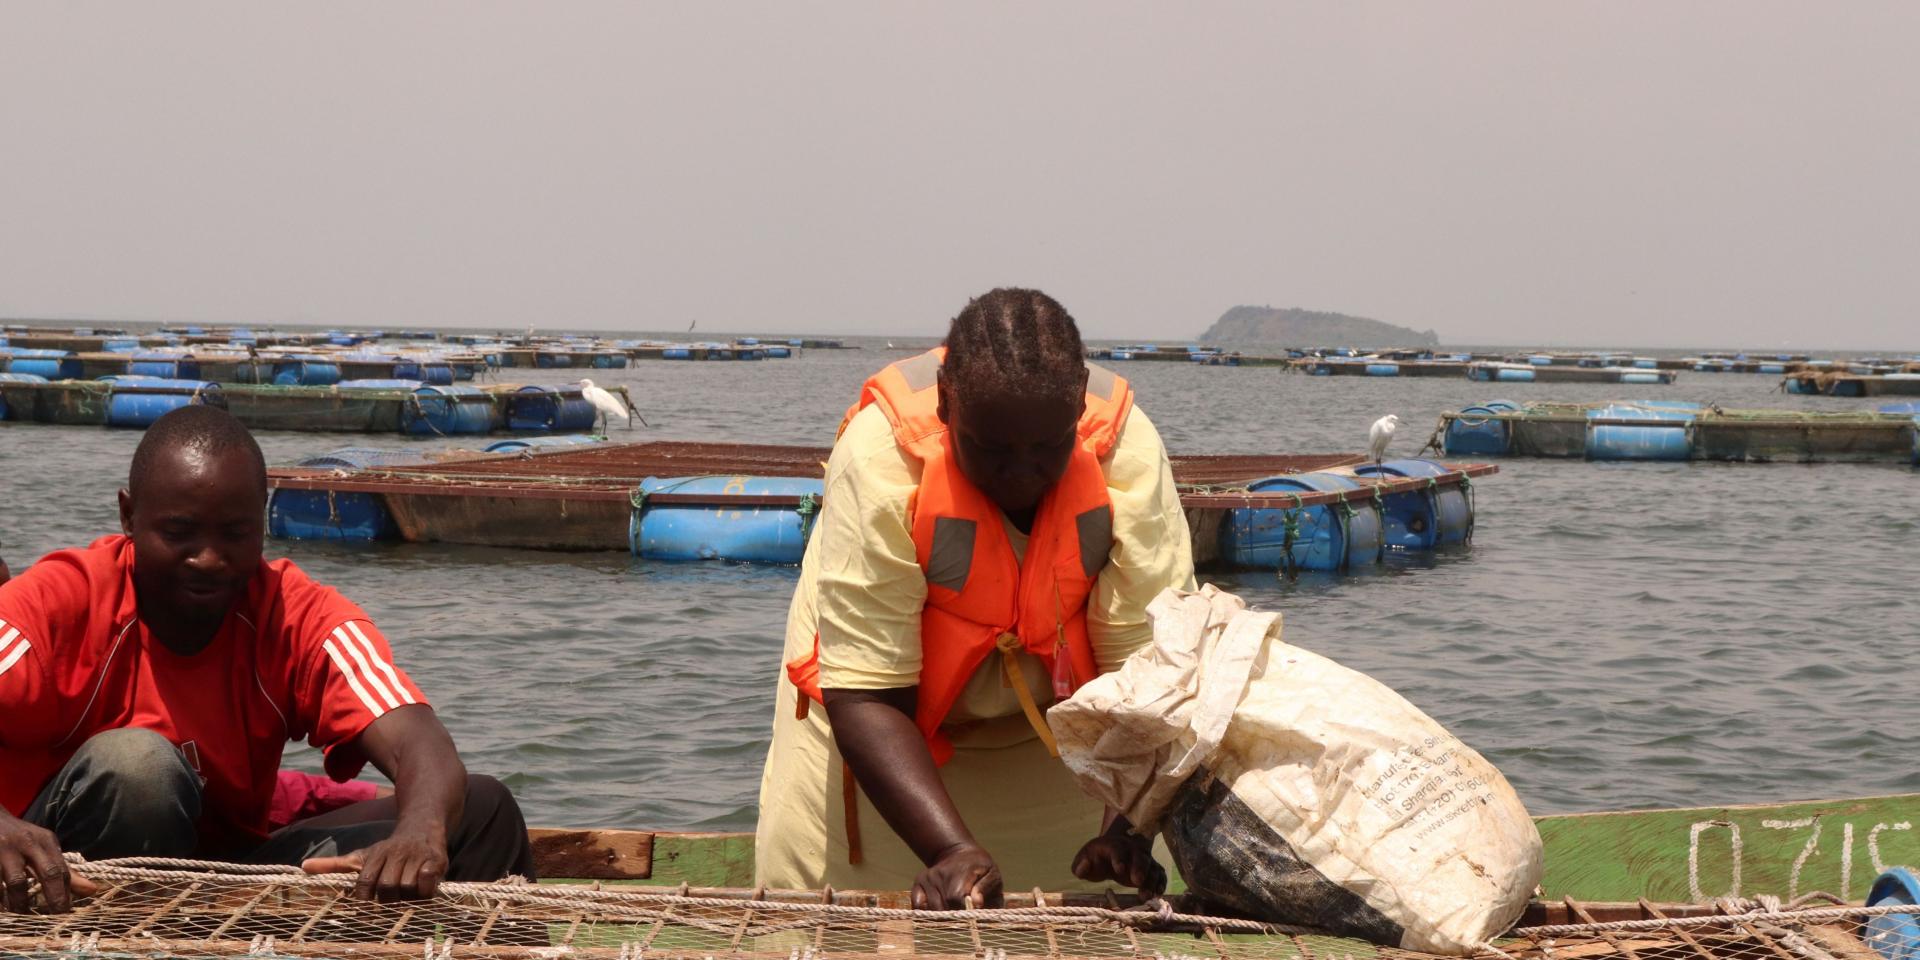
(150, 681)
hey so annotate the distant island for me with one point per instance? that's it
(1294, 327)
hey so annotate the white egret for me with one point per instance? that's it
(604, 401)
(1381, 435)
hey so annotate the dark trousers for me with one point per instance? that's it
(130, 793)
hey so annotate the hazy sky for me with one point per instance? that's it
(1654, 174)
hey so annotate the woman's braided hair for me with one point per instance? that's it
(1015, 342)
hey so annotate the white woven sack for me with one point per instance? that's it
(1361, 785)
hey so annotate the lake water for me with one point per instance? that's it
(1618, 635)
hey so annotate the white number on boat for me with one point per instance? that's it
(1807, 852)
(1799, 862)
(1693, 858)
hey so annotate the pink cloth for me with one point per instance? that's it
(297, 796)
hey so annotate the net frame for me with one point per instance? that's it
(155, 909)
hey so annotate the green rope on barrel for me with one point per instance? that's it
(808, 508)
(1346, 532)
(1380, 525)
(1289, 533)
(1466, 493)
(638, 498)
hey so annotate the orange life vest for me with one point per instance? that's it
(980, 596)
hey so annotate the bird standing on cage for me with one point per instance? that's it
(1381, 435)
(604, 401)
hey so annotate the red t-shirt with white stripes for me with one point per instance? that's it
(294, 661)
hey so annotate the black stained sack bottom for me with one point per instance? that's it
(1229, 856)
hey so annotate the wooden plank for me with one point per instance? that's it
(703, 859)
(592, 854)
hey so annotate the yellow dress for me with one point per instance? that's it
(862, 590)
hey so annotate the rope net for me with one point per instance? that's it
(146, 911)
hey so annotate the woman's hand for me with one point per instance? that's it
(1121, 857)
(961, 872)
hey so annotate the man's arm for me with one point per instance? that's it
(411, 747)
(875, 732)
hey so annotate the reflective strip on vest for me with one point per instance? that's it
(1096, 539)
(1100, 381)
(950, 559)
(920, 372)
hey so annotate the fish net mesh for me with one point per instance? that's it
(148, 912)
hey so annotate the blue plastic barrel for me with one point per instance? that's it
(1895, 936)
(1421, 519)
(359, 458)
(748, 534)
(447, 411)
(550, 361)
(1540, 360)
(1773, 368)
(609, 361)
(120, 345)
(518, 444)
(1256, 536)
(748, 341)
(1383, 369)
(1513, 374)
(463, 371)
(138, 403)
(552, 409)
(164, 365)
(677, 353)
(1646, 363)
(438, 373)
(51, 364)
(1121, 355)
(1802, 387)
(325, 515)
(305, 372)
(1641, 378)
(1477, 437)
(379, 385)
(779, 353)
(22, 378)
(1671, 442)
(1906, 406)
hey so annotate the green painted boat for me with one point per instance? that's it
(1694, 856)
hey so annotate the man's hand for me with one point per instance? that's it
(961, 872)
(1124, 858)
(406, 866)
(29, 853)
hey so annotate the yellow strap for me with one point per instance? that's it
(1010, 663)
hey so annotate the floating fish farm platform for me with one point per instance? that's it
(696, 501)
(1663, 430)
(1556, 373)
(392, 406)
(1370, 367)
(1836, 383)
